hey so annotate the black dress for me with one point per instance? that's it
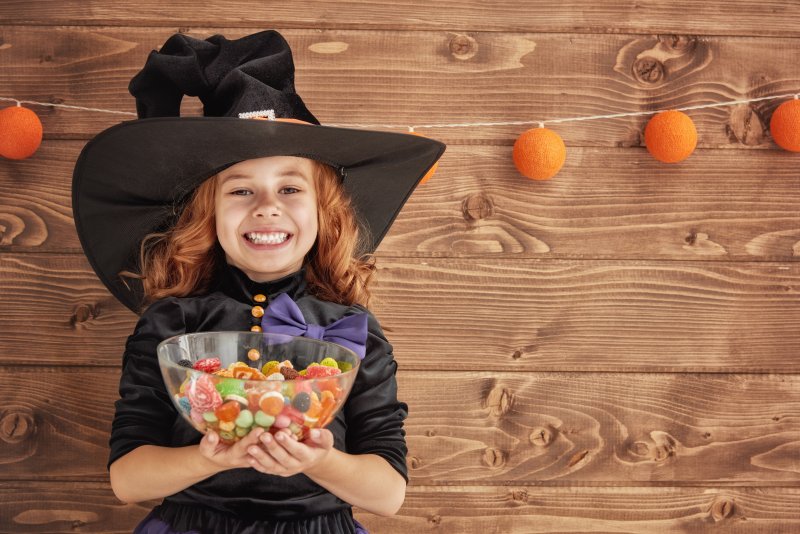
(244, 500)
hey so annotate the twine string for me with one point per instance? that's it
(411, 128)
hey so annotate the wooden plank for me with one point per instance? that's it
(416, 78)
(643, 16)
(604, 204)
(91, 507)
(551, 429)
(474, 314)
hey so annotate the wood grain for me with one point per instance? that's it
(59, 507)
(476, 315)
(605, 204)
(737, 17)
(417, 78)
(552, 429)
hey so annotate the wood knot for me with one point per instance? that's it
(16, 425)
(463, 47)
(680, 43)
(414, 462)
(640, 448)
(517, 355)
(500, 401)
(745, 126)
(519, 495)
(541, 436)
(722, 509)
(435, 520)
(648, 70)
(184, 30)
(494, 458)
(430, 433)
(477, 206)
(82, 313)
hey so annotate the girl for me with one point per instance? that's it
(212, 218)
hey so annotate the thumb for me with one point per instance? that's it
(321, 437)
(209, 441)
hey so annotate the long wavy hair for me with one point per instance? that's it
(182, 260)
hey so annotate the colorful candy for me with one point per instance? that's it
(207, 365)
(281, 397)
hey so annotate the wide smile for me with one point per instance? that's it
(267, 238)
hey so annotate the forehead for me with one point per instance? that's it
(275, 166)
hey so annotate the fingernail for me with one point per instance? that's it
(315, 434)
(281, 436)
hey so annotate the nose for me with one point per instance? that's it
(267, 205)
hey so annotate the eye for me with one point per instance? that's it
(240, 192)
(289, 190)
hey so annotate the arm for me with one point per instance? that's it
(363, 480)
(153, 472)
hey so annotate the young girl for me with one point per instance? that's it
(218, 216)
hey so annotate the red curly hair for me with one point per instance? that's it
(182, 261)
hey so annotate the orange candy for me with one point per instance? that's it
(228, 411)
(670, 136)
(539, 153)
(20, 132)
(271, 403)
(785, 125)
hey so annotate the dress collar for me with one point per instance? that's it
(236, 284)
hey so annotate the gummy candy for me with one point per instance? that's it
(207, 365)
(228, 411)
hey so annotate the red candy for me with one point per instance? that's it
(320, 371)
(208, 365)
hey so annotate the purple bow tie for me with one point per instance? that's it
(283, 316)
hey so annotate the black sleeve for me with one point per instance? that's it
(144, 413)
(373, 414)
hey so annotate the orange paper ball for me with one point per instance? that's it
(20, 132)
(539, 153)
(785, 125)
(431, 170)
(670, 136)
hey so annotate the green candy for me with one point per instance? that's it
(329, 362)
(344, 366)
(230, 386)
(227, 436)
(245, 419)
(264, 420)
(241, 432)
(210, 417)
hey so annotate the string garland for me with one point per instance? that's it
(539, 153)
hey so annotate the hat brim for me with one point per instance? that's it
(129, 179)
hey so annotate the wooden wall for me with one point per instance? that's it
(616, 349)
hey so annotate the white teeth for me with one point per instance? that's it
(273, 238)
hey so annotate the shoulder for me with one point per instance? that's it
(162, 319)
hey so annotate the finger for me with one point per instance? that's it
(274, 445)
(262, 461)
(296, 449)
(249, 439)
(209, 443)
(321, 438)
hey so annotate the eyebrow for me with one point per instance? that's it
(289, 172)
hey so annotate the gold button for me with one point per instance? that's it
(253, 355)
(258, 311)
(255, 328)
(260, 298)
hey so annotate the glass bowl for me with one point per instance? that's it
(234, 382)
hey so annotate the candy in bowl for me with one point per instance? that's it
(234, 382)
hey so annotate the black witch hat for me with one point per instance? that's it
(131, 179)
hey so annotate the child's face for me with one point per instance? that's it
(266, 215)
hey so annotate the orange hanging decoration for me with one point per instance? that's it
(539, 153)
(670, 136)
(785, 125)
(20, 132)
